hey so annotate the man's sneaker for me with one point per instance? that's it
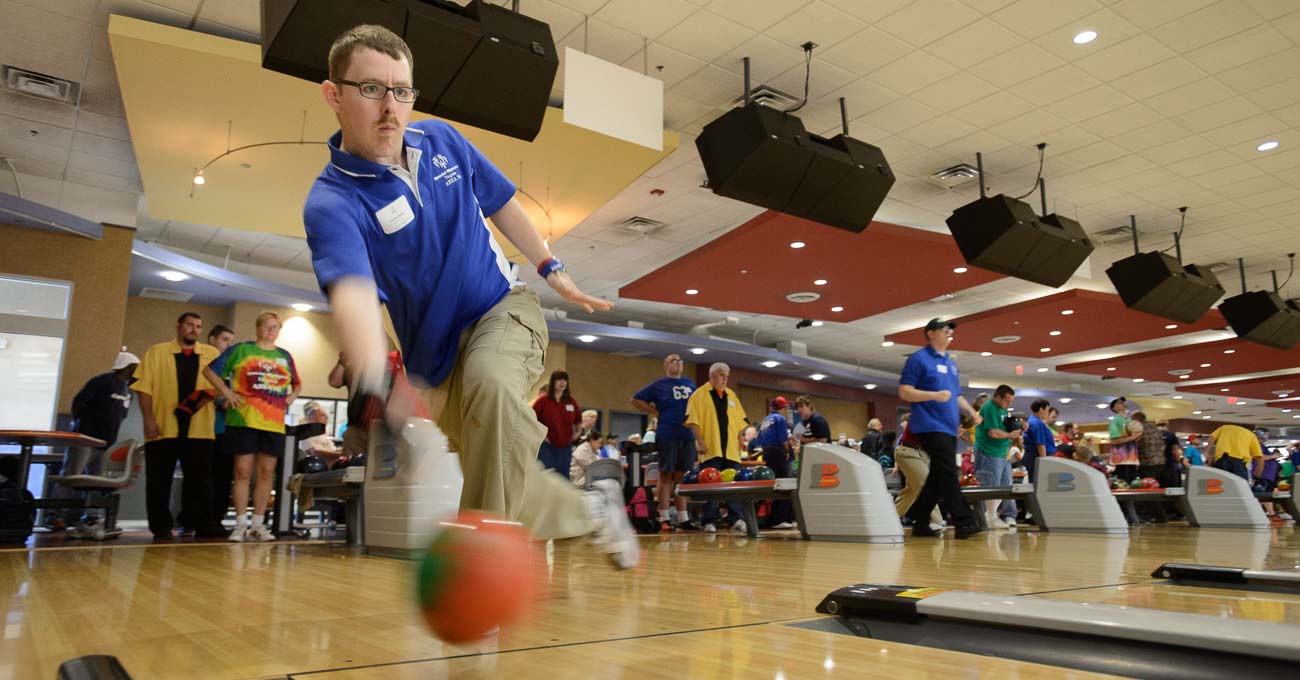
(710, 528)
(1284, 516)
(1011, 521)
(613, 532)
(261, 533)
(996, 522)
(740, 526)
(665, 527)
(938, 528)
(689, 525)
(786, 525)
(967, 530)
(239, 535)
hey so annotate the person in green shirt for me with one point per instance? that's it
(991, 465)
(1123, 444)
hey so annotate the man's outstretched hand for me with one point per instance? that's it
(563, 284)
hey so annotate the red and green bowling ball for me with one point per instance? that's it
(477, 576)
(764, 472)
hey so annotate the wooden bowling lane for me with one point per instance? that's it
(241, 611)
(768, 651)
(1222, 602)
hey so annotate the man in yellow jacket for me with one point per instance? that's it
(716, 417)
(178, 425)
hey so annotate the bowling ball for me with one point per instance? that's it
(794, 467)
(358, 460)
(969, 480)
(1150, 483)
(1012, 424)
(310, 464)
(886, 461)
(728, 475)
(710, 476)
(1116, 483)
(691, 477)
(764, 472)
(1284, 486)
(339, 464)
(477, 576)
(745, 475)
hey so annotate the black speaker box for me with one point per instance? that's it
(1002, 234)
(1154, 283)
(766, 158)
(1262, 317)
(480, 64)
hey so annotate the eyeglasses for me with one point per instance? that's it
(675, 360)
(405, 95)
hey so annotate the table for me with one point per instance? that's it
(29, 439)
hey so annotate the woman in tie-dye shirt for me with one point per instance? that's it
(263, 382)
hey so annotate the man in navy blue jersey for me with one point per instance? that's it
(665, 400)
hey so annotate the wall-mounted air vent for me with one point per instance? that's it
(40, 85)
(164, 294)
(643, 226)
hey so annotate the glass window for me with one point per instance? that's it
(41, 299)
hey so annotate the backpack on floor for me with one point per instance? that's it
(642, 513)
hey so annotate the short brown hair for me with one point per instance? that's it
(803, 400)
(266, 316)
(375, 37)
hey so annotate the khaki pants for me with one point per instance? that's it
(915, 465)
(483, 409)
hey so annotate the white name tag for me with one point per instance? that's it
(568, 407)
(395, 215)
(942, 368)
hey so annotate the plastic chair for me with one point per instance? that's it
(122, 465)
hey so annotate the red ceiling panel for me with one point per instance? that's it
(1292, 403)
(1273, 387)
(1094, 320)
(1225, 358)
(752, 269)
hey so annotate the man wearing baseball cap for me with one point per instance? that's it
(774, 440)
(931, 384)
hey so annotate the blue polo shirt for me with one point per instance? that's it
(421, 236)
(773, 431)
(930, 371)
(669, 397)
(1039, 433)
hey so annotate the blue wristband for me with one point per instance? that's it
(549, 266)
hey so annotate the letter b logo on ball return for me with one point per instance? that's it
(1210, 487)
(1060, 481)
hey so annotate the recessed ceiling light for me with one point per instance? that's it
(1044, 349)
(1197, 413)
(692, 291)
(959, 270)
(1176, 396)
(1296, 415)
(198, 179)
(1139, 380)
(1170, 326)
(301, 306)
(798, 244)
(870, 386)
(1110, 368)
(1066, 312)
(818, 323)
(1065, 400)
(1184, 377)
(819, 282)
(1267, 146)
(887, 343)
(771, 364)
(1006, 339)
(986, 354)
(1229, 351)
(1042, 370)
(1055, 333)
(1283, 396)
(1101, 406)
(697, 350)
(837, 308)
(1205, 417)
(818, 376)
(1205, 365)
(587, 338)
(173, 276)
(1084, 37)
(1223, 389)
(1286, 410)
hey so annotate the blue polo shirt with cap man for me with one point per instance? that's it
(422, 236)
(928, 370)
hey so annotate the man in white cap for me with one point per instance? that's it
(98, 410)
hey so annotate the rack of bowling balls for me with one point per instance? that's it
(1145, 483)
(710, 475)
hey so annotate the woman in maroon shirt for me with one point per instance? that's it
(557, 410)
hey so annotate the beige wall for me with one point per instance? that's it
(607, 382)
(845, 416)
(309, 337)
(99, 271)
(150, 321)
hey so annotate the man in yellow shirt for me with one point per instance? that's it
(178, 425)
(715, 416)
(1232, 448)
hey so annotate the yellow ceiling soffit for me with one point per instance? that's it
(180, 88)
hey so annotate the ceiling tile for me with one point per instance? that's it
(1017, 65)
(34, 56)
(1029, 126)
(706, 36)
(676, 66)
(679, 110)
(768, 58)
(81, 10)
(823, 80)
(1158, 78)
(1171, 152)
(1207, 25)
(1093, 102)
(756, 14)
(1239, 49)
(1031, 18)
(1110, 27)
(55, 31)
(899, 115)
(1121, 120)
(1263, 72)
(912, 72)
(605, 41)
(1215, 160)
(711, 85)
(52, 136)
(869, 12)
(1088, 156)
(863, 95)
(987, 6)
(1191, 96)
(1133, 54)
(1162, 132)
(648, 19)
(955, 91)
(818, 22)
(925, 21)
(1218, 114)
(244, 15)
(865, 51)
(938, 131)
(1146, 14)
(977, 42)
(1055, 85)
(977, 142)
(1255, 185)
(1246, 130)
(1277, 96)
(993, 109)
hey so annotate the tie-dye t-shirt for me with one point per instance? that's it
(264, 378)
